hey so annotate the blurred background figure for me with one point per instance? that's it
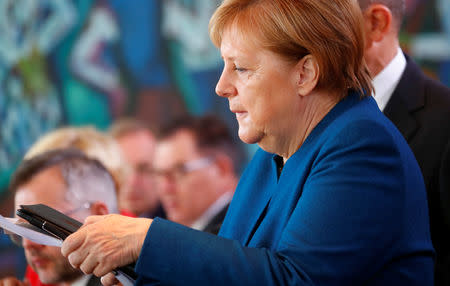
(93, 143)
(195, 167)
(420, 108)
(89, 140)
(137, 144)
(72, 183)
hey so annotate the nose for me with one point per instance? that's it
(165, 185)
(135, 180)
(224, 87)
(167, 181)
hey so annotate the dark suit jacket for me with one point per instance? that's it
(216, 222)
(420, 108)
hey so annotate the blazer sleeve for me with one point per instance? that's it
(348, 219)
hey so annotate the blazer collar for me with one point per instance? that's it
(408, 98)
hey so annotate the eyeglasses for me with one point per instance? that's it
(141, 169)
(85, 206)
(17, 239)
(179, 171)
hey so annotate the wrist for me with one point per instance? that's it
(141, 234)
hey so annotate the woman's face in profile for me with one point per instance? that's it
(261, 89)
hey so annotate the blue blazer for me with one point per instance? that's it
(349, 208)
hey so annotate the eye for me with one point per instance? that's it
(239, 69)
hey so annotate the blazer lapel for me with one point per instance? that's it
(408, 97)
(242, 220)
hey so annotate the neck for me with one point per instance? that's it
(380, 54)
(315, 108)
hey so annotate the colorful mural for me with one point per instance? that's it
(426, 36)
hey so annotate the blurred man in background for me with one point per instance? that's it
(90, 141)
(72, 183)
(420, 108)
(195, 170)
(137, 143)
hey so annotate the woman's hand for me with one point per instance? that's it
(110, 280)
(104, 243)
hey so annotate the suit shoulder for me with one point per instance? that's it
(437, 94)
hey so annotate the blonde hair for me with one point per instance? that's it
(90, 141)
(128, 125)
(329, 30)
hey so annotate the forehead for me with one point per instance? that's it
(47, 187)
(239, 47)
(235, 42)
(137, 146)
(175, 149)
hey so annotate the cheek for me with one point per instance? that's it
(260, 112)
(185, 195)
(191, 191)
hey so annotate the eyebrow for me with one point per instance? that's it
(228, 58)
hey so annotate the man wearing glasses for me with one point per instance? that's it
(195, 171)
(137, 143)
(73, 184)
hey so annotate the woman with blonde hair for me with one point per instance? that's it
(333, 197)
(90, 141)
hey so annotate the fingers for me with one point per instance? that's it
(92, 264)
(102, 269)
(73, 242)
(93, 219)
(11, 281)
(88, 265)
(109, 279)
(105, 242)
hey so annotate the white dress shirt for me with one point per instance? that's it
(386, 81)
(212, 211)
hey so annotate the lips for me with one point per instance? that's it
(39, 262)
(237, 110)
(239, 114)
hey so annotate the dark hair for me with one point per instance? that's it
(81, 174)
(209, 132)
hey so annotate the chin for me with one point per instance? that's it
(47, 278)
(250, 136)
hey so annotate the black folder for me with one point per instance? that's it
(59, 225)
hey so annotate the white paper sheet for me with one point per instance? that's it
(28, 231)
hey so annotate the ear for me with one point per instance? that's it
(99, 208)
(307, 74)
(377, 23)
